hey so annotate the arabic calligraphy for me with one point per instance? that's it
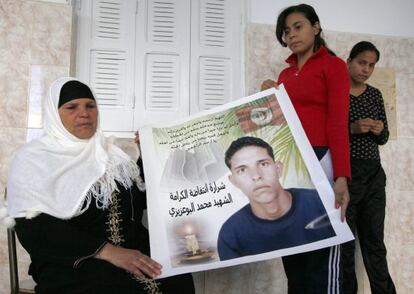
(199, 190)
(189, 209)
(201, 132)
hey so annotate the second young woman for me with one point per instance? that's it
(366, 213)
(318, 85)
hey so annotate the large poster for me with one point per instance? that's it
(236, 184)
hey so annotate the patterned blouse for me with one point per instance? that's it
(367, 105)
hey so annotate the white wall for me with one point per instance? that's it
(379, 17)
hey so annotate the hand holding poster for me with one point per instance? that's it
(236, 184)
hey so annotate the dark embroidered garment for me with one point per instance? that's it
(62, 251)
(115, 236)
(367, 105)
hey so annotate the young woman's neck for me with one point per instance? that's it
(303, 57)
(357, 85)
(357, 88)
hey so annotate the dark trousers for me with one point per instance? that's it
(315, 272)
(365, 215)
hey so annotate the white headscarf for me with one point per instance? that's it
(60, 174)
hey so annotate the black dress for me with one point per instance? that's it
(62, 250)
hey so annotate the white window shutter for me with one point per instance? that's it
(162, 83)
(216, 75)
(108, 69)
(162, 61)
(104, 45)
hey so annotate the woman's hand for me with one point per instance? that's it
(377, 127)
(268, 84)
(341, 195)
(136, 139)
(130, 260)
(361, 126)
(366, 125)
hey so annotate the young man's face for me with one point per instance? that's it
(256, 174)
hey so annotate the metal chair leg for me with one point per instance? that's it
(14, 275)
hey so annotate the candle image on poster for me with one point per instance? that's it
(208, 211)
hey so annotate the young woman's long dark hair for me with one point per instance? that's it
(310, 14)
(363, 46)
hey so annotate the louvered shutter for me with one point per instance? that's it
(216, 69)
(162, 54)
(104, 44)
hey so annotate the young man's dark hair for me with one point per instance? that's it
(242, 142)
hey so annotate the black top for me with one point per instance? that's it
(62, 251)
(367, 105)
(306, 222)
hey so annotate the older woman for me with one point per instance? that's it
(78, 200)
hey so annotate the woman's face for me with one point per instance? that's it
(361, 66)
(80, 117)
(299, 34)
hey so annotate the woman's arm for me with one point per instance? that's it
(53, 240)
(50, 239)
(380, 125)
(130, 260)
(337, 87)
(337, 81)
